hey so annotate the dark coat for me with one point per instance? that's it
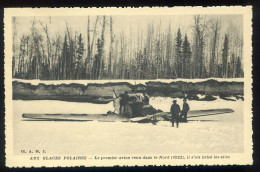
(124, 99)
(146, 100)
(175, 109)
(185, 107)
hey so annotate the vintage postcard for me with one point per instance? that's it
(128, 86)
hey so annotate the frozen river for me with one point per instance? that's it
(221, 134)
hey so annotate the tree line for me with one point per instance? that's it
(154, 53)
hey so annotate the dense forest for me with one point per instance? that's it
(208, 50)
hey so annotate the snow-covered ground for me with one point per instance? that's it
(222, 134)
(133, 82)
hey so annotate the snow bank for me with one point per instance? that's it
(133, 82)
(102, 91)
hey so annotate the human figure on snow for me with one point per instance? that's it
(123, 102)
(175, 112)
(146, 99)
(185, 110)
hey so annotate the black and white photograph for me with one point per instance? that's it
(158, 86)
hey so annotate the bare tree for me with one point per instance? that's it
(215, 26)
(111, 48)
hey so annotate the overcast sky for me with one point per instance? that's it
(121, 24)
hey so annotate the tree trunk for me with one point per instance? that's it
(102, 48)
(111, 47)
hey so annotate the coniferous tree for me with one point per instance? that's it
(239, 69)
(79, 55)
(225, 57)
(97, 61)
(179, 58)
(63, 58)
(186, 56)
(158, 59)
(13, 67)
(232, 67)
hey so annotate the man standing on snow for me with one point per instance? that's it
(175, 111)
(146, 99)
(123, 102)
(185, 110)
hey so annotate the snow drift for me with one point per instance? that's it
(103, 92)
